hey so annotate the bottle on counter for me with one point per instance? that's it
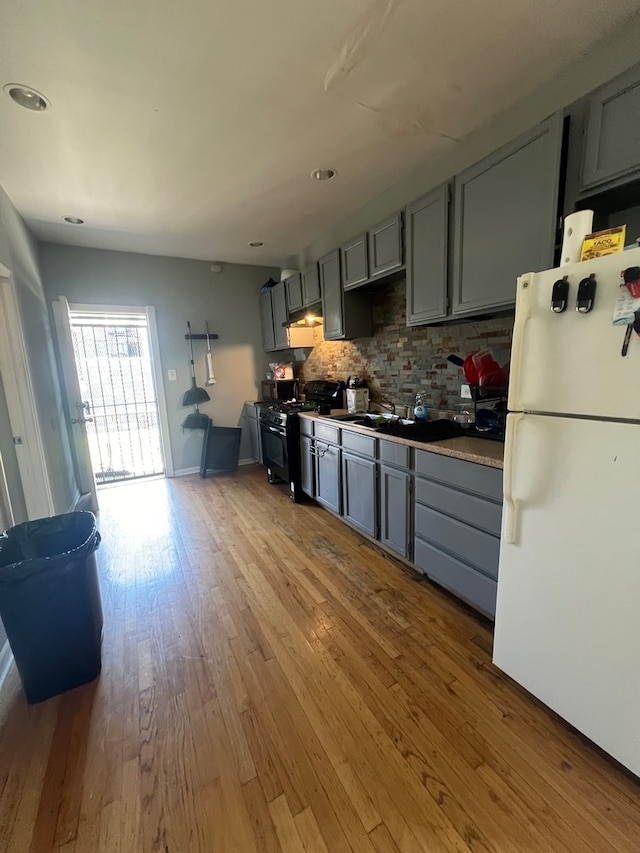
(420, 407)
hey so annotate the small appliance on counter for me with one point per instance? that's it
(357, 400)
(279, 389)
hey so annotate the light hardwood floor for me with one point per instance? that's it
(271, 682)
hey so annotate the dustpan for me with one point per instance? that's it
(195, 394)
(196, 420)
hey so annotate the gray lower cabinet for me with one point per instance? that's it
(327, 471)
(385, 246)
(307, 465)
(426, 230)
(506, 211)
(273, 318)
(359, 504)
(345, 315)
(612, 143)
(293, 286)
(457, 516)
(355, 264)
(310, 286)
(395, 496)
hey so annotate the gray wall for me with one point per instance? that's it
(180, 290)
(605, 61)
(18, 252)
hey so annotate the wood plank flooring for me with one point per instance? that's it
(274, 684)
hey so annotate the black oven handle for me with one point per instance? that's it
(274, 429)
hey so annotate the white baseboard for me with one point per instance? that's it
(182, 472)
(6, 659)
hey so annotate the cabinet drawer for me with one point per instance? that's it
(460, 474)
(471, 545)
(358, 443)
(326, 432)
(468, 508)
(475, 588)
(394, 454)
(306, 426)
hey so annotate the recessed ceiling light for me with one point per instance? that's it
(323, 174)
(255, 244)
(74, 220)
(26, 97)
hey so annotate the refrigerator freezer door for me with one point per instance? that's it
(571, 363)
(568, 610)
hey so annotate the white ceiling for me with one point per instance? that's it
(189, 127)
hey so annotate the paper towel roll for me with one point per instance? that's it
(576, 227)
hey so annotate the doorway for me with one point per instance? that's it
(119, 404)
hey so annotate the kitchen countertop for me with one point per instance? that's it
(479, 450)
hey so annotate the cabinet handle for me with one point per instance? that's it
(522, 318)
(511, 503)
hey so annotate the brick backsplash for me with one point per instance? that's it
(398, 361)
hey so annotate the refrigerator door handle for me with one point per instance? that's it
(511, 503)
(523, 312)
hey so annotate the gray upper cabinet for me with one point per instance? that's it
(426, 223)
(280, 315)
(294, 292)
(331, 286)
(355, 264)
(310, 286)
(266, 321)
(612, 143)
(385, 246)
(273, 317)
(506, 210)
(346, 315)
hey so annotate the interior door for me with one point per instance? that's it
(567, 625)
(74, 404)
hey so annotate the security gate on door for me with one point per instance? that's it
(120, 407)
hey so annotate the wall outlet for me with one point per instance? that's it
(172, 374)
(465, 392)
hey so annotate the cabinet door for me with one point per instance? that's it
(355, 266)
(331, 287)
(506, 210)
(427, 228)
(310, 286)
(294, 292)
(612, 144)
(266, 322)
(394, 509)
(280, 315)
(328, 475)
(385, 246)
(359, 492)
(306, 465)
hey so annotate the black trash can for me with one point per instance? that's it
(50, 602)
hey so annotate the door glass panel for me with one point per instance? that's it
(113, 360)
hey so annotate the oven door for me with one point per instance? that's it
(274, 450)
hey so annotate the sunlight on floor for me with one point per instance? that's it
(139, 517)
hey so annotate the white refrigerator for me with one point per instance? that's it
(567, 624)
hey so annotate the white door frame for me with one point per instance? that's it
(156, 367)
(32, 462)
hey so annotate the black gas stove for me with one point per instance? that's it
(280, 432)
